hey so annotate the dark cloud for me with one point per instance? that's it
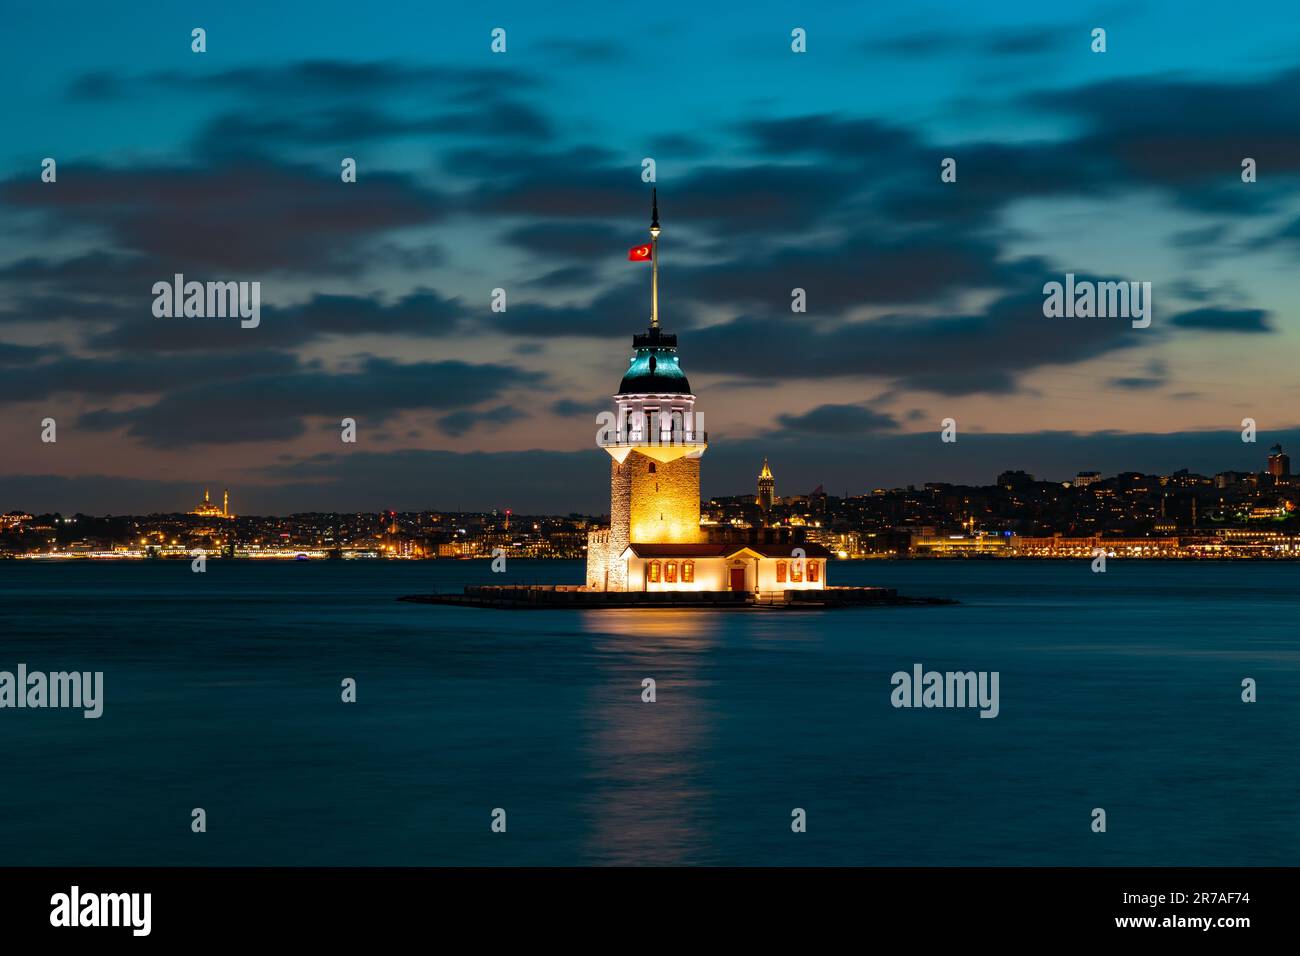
(1156, 375)
(1212, 319)
(865, 269)
(242, 134)
(340, 79)
(918, 43)
(838, 420)
(580, 241)
(951, 355)
(1190, 136)
(270, 407)
(861, 140)
(1201, 238)
(111, 377)
(422, 313)
(570, 277)
(618, 311)
(567, 408)
(1024, 41)
(459, 423)
(1034, 41)
(243, 219)
(24, 355)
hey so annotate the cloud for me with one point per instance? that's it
(275, 407)
(1188, 136)
(958, 354)
(459, 423)
(422, 313)
(135, 375)
(838, 420)
(1211, 319)
(235, 219)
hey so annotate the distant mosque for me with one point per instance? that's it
(654, 541)
(206, 509)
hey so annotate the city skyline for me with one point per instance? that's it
(1275, 474)
(479, 171)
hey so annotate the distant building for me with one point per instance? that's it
(1085, 478)
(1011, 480)
(206, 509)
(1279, 463)
(766, 488)
(12, 520)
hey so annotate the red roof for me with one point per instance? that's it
(681, 550)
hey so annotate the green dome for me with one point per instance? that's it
(654, 368)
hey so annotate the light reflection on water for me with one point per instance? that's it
(1121, 692)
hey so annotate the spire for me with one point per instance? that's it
(766, 472)
(654, 257)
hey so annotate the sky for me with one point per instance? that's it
(522, 170)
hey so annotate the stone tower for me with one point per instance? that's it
(655, 442)
(766, 488)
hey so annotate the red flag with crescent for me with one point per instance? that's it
(639, 253)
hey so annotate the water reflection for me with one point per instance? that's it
(653, 626)
(648, 762)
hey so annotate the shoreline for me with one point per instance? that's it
(573, 597)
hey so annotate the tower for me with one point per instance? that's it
(225, 503)
(655, 447)
(766, 488)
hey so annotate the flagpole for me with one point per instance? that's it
(654, 259)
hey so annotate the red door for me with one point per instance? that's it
(737, 579)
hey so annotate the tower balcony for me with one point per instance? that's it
(661, 446)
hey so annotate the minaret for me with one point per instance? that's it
(766, 488)
(655, 449)
(225, 503)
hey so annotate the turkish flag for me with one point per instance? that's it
(639, 253)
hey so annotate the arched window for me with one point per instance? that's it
(670, 572)
(688, 572)
(780, 572)
(652, 467)
(653, 571)
(814, 571)
(796, 570)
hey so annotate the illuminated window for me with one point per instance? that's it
(780, 572)
(796, 570)
(653, 571)
(670, 572)
(813, 571)
(688, 572)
